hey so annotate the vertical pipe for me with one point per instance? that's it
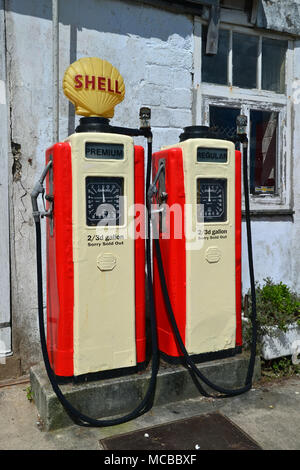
(197, 98)
(55, 69)
(230, 60)
(259, 65)
(5, 283)
(73, 57)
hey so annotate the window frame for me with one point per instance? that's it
(257, 99)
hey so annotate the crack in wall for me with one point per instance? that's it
(17, 165)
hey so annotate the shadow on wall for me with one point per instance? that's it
(134, 25)
(113, 16)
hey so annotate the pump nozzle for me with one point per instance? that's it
(241, 128)
(145, 116)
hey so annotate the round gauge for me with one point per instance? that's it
(211, 193)
(103, 200)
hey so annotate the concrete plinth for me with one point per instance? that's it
(119, 396)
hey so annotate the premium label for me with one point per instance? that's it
(100, 150)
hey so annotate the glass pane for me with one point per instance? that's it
(212, 194)
(244, 57)
(273, 65)
(263, 151)
(223, 120)
(236, 4)
(214, 67)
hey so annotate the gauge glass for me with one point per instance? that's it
(103, 203)
(212, 194)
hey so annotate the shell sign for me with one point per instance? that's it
(94, 86)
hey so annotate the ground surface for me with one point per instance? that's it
(269, 413)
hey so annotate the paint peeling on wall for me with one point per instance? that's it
(279, 15)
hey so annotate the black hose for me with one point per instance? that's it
(78, 417)
(189, 362)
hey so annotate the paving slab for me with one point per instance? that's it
(269, 414)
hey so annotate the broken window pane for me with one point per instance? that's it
(273, 65)
(244, 56)
(223, 120)
(263, 151)
(215, 67)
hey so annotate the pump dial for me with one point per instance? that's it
(103, 203)
(212, 194)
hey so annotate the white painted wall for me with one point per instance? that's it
(29, 65)
(272, 251)
(295, 238)
(153, 49)
(5, 330)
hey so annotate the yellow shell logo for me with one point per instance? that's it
(94, 86)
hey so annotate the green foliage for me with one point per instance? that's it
(276, 305)
(279, 368)
(29, 393)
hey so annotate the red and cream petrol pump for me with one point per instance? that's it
(197, 256)
(95, 271)
(95, 241)
(202, 173)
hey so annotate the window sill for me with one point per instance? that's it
(231, 93)
(269, 205)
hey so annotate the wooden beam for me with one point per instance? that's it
(254, 11)
(193, 7)
(213, 31)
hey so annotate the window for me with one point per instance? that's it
(237, 4)
(248, 54)
(251, 75)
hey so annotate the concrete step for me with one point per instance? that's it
(119, 396)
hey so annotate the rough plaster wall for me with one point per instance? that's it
(153, 49)
(29, 65)
(279, 15)
(295, 260)
(272, 252)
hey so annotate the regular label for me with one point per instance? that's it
(211, 155)
(103, 151)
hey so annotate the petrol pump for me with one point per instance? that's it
(197, 215)
(204, 173)
(95, 265)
